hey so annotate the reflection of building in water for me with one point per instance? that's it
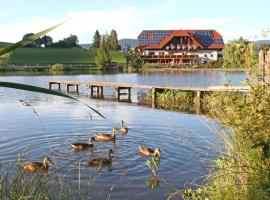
(180, 46)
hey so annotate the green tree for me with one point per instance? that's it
(96, 40)
(240, 53)
(103, 55)
(35, 43)
(47, 40)
(134, 59)
(71, 41)
(113, 41)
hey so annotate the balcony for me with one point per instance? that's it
(169, 56)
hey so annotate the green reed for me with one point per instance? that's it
(243, 171)
(174, 100)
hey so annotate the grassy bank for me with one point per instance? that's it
(4, 44)
(33, 56)
(183, 101)
(243, 171)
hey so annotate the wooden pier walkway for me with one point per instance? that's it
(96, 88)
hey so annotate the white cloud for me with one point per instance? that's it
(200, 23)
(127, 21)
(82, 24)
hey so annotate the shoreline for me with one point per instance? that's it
(197, 69)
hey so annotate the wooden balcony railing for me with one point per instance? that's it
(169, 56)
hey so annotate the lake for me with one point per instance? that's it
(188, 142)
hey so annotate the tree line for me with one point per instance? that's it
(47, 42)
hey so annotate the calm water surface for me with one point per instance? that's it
(187, 143)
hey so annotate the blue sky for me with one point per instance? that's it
(232, 18)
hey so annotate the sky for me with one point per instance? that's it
(231, 18)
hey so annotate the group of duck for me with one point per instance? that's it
(31, 166)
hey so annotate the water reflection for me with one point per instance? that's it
(185, 140)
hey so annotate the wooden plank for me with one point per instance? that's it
(129, 86)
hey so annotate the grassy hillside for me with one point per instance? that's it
(52, 55)
(4, 44)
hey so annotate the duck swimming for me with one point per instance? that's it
(32, 167)
(79, 146)
(102, 161)
(123, 128)
(106, 137)
(146, 151)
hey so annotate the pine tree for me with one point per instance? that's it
(96, 40)
(113, 40)
(103, 55)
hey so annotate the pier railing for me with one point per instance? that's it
(96, 88)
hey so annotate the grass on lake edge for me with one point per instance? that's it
(243, 170)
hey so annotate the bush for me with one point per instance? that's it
(56, 68)
(243, 170)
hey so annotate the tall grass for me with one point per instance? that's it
(184, 101)
(243, 171)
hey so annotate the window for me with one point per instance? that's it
(205, 55)
(211, 55)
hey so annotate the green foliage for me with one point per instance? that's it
(134, 59)
(69, 42)
(240, 53)
(56, 68)
(96, 40)
(18, 186)
(103, 55)
(174, 100)
(198, 194)
(153, 183)
(113, 41)
(153, 164)
(4, 60)
(243, 171)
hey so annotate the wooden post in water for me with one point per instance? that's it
(67, 87)
(198, 103)
(129, 94)
(91, 90)
(77, 89)
(261, 64)
(101, 91)
(268, 65)
(154, 97)
(117, 92)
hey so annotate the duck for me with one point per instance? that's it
(123, 128)
(106, 137)
(32, 166)
(79, 146)
(146, 151)
(102, 161)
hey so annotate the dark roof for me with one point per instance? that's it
(156, 39)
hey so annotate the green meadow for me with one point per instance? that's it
(34, 56)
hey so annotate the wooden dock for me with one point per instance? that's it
(96, 88)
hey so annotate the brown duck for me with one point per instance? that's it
(32, 167)
(79, 146)
(101, 161)
(106, 137)
(146, 151)
(123, 128)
